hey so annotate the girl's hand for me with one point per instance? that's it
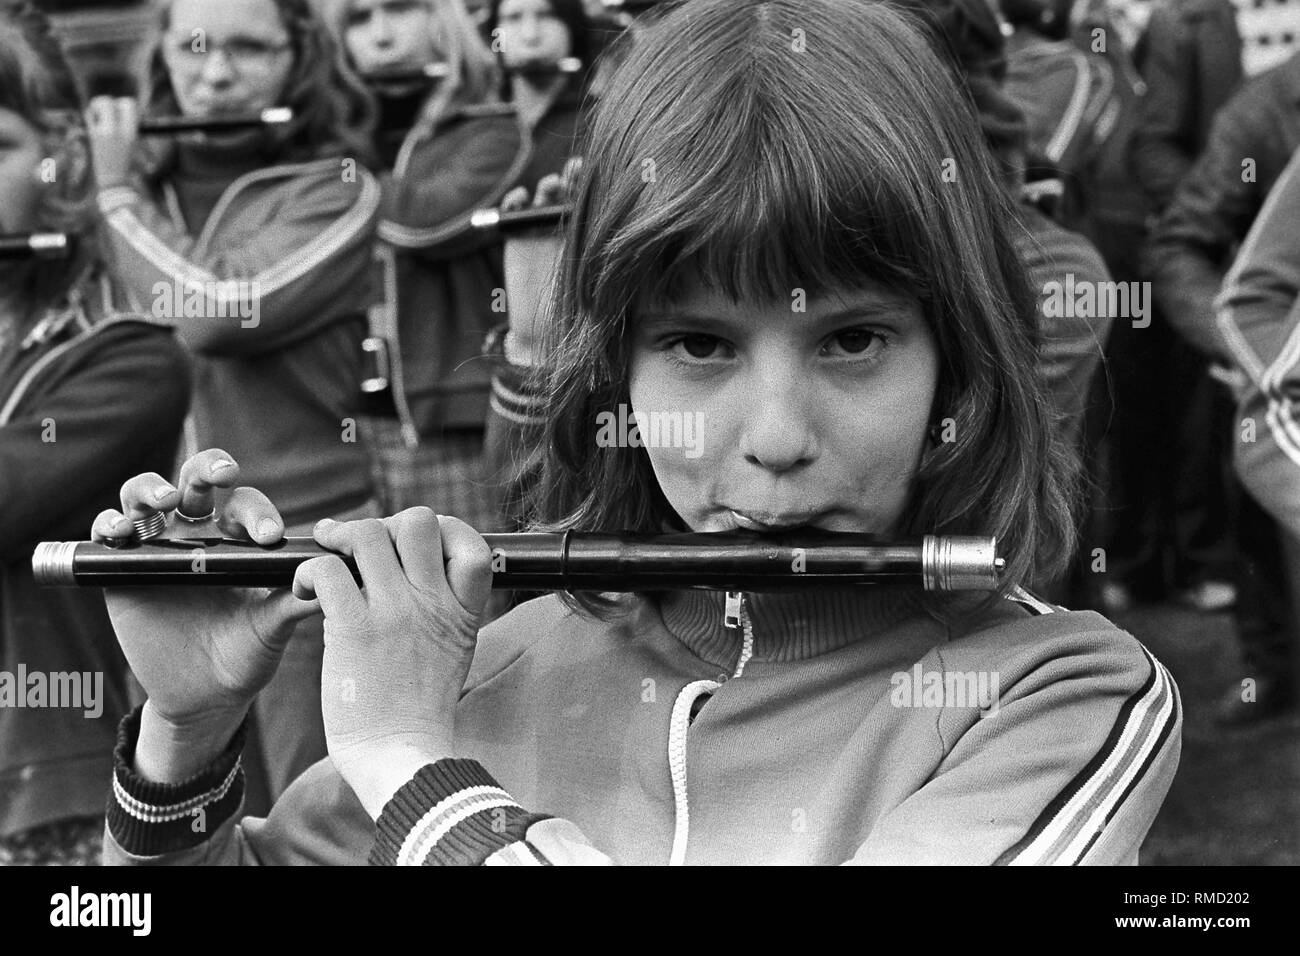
(531, 261)
(398, 648)
(113, 125)
(201, 653)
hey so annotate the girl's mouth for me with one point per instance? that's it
(770, 522)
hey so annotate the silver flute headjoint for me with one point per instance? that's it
(959, 563)
(52, 563)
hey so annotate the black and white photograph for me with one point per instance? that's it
(651, 433)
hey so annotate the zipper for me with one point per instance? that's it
(734, 616)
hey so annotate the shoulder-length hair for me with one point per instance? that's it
(333, 114)
(37, 85)
(758, 146)
(477, 74)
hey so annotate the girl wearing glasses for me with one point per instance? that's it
(256, 246)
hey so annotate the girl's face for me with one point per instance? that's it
(796, 418)
(390, 35)
(20, 183)
(229, 57)
(528, 31)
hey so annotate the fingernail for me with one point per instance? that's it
(162, 493)
(267, 527)
(222, 465)
(121, 524)
(325, 522)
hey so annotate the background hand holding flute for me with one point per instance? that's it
(396, 653)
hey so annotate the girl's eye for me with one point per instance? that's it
(699, 346)
(856, 341)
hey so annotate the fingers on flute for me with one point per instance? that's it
(200, 475)
(416, 534)
(468, 562)
(249, 514)
(111, 525)
(551, 190)
(328, 581)
(514, 200)
(368, 542)
(145, 495)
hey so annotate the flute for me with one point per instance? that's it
(564, 561)
(441, 71)
(28, 245)
(520, 220)
(170, 125)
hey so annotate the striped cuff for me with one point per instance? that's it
(517, 395)
(452, 813)
(149, 819)
(114, 197)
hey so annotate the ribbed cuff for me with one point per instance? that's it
(517, 395)
(451, 813)
(149, 819)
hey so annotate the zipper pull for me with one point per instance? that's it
(731, 615)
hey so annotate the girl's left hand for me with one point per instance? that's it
(397, 649)
(113, 127)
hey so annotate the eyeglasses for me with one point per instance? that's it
(244, 53)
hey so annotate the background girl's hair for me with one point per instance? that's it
(455, 33)
(36, 84)
(759, 146)
(571, 13)
(334, 115)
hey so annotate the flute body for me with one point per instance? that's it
(568, 561)
(171, 125)
(39, 245)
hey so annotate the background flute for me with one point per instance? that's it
(168, 125)
(440, 71)
(520, 220)
(574, 561)
(51, 245)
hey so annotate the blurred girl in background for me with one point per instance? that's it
(256, 246)
(87, 399)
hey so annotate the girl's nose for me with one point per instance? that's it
(530, 29)
(381, 29)
(218, 70)
(778, 433)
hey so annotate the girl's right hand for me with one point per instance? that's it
(201, 653)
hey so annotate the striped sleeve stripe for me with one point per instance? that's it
(1069, 826)
(148, 818)
(452, 812)
(185, 808)
(437, 823)
(522, 408)
(120, 217)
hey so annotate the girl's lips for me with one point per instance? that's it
(772, 522)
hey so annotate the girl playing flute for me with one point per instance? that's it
(788, 229)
